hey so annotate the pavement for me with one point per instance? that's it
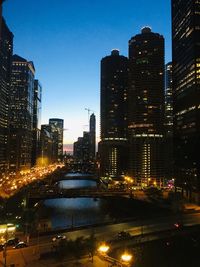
(23, 258)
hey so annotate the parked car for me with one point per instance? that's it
(21, 245)
(12, 242)
(58, 237)
(123, 235)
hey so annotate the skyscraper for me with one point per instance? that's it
(47, 153)
(92, 137)
(168, 122)
(6, 49)
(21, 113)
(186, 90)
(114, 93)
(146, 107)
(82, 148)
(57, 129)
(37, 98)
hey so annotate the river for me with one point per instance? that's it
(72, 212)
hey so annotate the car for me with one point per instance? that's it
(58, 237)
(123, 235)
(12, 242)
(178, 225)
(21, 245)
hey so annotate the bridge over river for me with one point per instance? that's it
(75, 192)
(76, 176)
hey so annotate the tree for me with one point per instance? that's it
(91, 244)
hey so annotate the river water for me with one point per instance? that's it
(71, 212)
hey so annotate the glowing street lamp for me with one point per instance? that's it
(103, 248)
(126, 258)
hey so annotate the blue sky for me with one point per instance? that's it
(66, 39)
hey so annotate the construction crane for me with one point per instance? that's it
(89, 110)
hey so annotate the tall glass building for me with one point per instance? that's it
(92, 137)
(57, 126)
(21, 113)
(168, 122)
(6, 50)
(146, 107)
(37, 105)
(186, 90)
(114, 113)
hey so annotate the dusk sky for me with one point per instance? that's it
(66, 40)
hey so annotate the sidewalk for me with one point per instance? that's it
(82, 263)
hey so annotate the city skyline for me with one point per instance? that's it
(78, 28)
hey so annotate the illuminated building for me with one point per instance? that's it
(46, 146)
(21, 113)
(37, 98)
(168, 122)
(186, 93)
(57, 130)
(6, 49)
(146, 107)
(114, 108)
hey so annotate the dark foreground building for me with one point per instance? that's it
(186, 88)
(114, 109)
(6, 49)
(146, 112)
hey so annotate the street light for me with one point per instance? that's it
(126, 258)
(103, 249)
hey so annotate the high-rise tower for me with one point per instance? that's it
(57, 130)
(21, 113)
(186, 90)
(114, 108)
(37, 98)
(6, 50)
(92, 136)
(146, 107)
(168, 122)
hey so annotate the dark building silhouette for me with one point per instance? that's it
(46, 146)
(146, 107)
(6, 49)
(82, 148)
(186, 90)
(37, 98)
(57, 126)
(92, 137)
(21, 113)
(114, 109)
(168, 122)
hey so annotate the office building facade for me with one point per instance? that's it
(186, 93)
(92, 137)
(57, 126)
(6, 50)
(168, 123)
(146, 107)
(21, 113)
(37, 105)
(47, 146)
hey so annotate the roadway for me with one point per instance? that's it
(105, 233)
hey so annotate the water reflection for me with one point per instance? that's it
(76, 184)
